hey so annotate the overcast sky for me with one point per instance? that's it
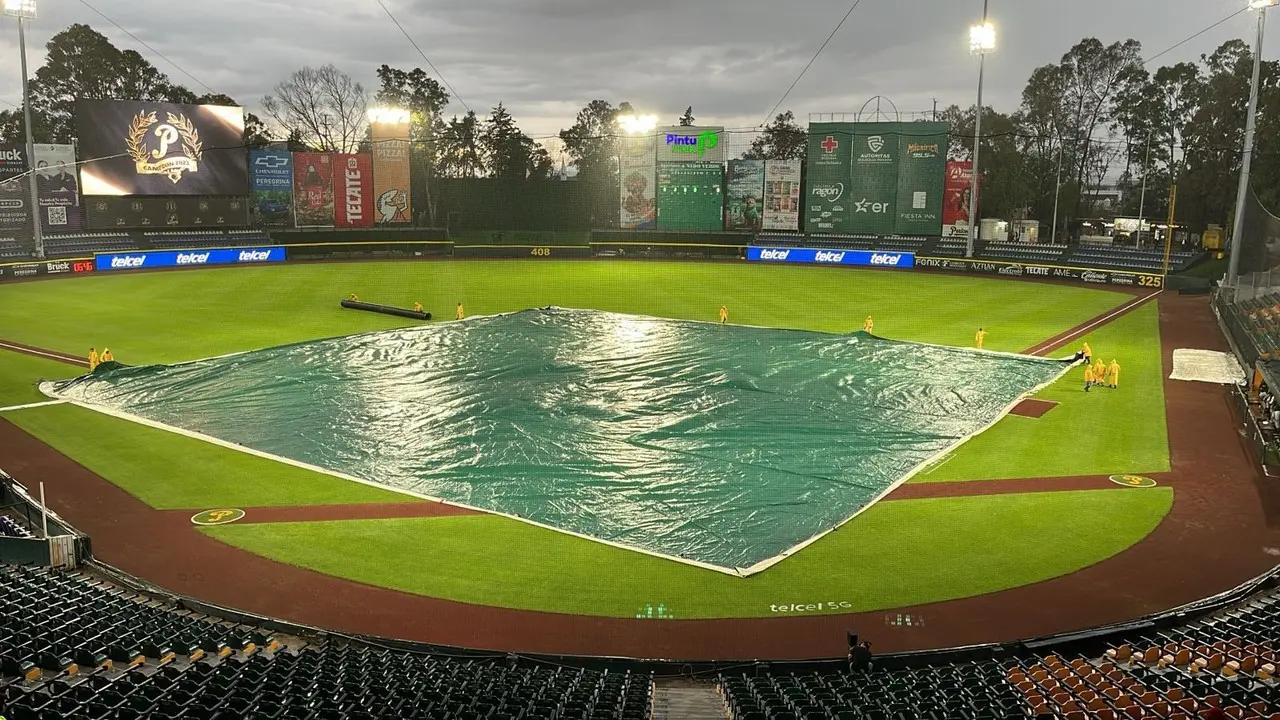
(544, 59)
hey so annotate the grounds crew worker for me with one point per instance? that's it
(724, 314)
(417, 306)
(868, 325)
(459, 314)
(93, 358)
(979, 337)
(107, 356)
(1113, 374)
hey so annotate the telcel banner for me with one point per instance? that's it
(864, 258)
(184, 258)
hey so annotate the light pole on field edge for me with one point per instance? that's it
(25, 10)
(1246, 162)
(982, 40)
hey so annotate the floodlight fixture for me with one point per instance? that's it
(1261, 4)
(637, 124)
(24, 9)
(388, 116)
(982, 39)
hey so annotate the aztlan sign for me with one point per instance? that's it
(691, 144)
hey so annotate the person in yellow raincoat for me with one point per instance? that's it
(1099, 372)
(107, 356)
(1113, 374)
(352, 297)
(93, 358)
(417, 306)
(1088, 353)
(1088, 377)
(459, 314)
(868, 325)
(724, 314)
(978, 337)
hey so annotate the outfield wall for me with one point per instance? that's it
(690, 246)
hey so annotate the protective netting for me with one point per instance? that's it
(724, 446)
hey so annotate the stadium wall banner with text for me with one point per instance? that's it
(873, 191)
(391, 172)
(827, 206)
(921, 178)
(782, 195)
(58, 188)
(313, 190)
(744, 196)
(958, 194)
(155, 148)
(690, 196)
(353, 184)
(691, 144)
(638, 164)
(187, 258)
(859, 258)
(77, 266)
(15, 193)
(271, 179)
(1043, 272)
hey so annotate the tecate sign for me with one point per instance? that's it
(188, 258)
(855, 258)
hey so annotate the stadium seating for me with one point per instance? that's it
(84, 244)
(12, 249)
(10, 528)
(75, 647)
(1107, 257)
(1226, 660)
(1260, 318)
(205, 239)
(1024, 253)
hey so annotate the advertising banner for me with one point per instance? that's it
(873, 191)
(690, 196)
(271, 181)
(958, 197)
(637, 160)
(186, 258)
(782, 195)
(744, 189)
(353, 181)
(1043, 272)
(14, 271)
(156, 148)
(15, 193)
(691, 144)
(921, 178)
(861, 258)
(391, 171)
(58, 189)
(313, 190)
(827, 208)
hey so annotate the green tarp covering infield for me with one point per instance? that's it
(723, 446)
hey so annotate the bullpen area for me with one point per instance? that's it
(623, 474)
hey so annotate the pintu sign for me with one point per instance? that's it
(862, 258)
(185, 258)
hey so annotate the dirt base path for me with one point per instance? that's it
(1215, 537)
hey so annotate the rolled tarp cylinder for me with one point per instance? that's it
(385, 309)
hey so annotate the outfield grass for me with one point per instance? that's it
(1100, 432)
(170, 471)
(897, 554)
(184, 315)
(20, 373)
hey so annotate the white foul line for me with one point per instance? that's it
(28, 406)
(1059, 342)
(33, 351)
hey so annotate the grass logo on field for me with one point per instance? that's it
(221, 516)
(1136, 481)
(650, 612)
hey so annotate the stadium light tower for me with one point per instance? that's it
(1246, 162)
(982, 40)
(637, 124)
(385, 115)
(25, 10)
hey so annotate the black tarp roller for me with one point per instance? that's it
(385, 309)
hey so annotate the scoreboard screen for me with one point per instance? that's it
(166, 213)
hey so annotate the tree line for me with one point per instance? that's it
(1097, 115)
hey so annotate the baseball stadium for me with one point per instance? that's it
(275, 447)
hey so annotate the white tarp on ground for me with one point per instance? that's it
(1208, 366)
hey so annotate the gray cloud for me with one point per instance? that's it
(544, 59)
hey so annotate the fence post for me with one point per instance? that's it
(44, 513)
